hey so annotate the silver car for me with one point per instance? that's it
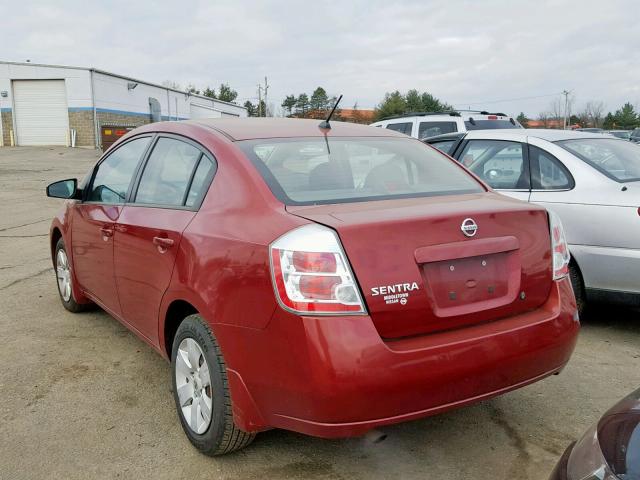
(591, 180)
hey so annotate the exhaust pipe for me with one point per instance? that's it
(375, 436)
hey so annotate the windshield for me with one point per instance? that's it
(618, 159)
(304, 171)
(621, 133)
(489, 124)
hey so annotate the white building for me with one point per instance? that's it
(60, 105)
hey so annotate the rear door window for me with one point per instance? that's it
(431, 129)
(502, 164)
(547, 173)
(168, 173)
(404, 127)
(113, 175)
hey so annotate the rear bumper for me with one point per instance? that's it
(335, 376)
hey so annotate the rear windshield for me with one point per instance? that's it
(617, 159)
(305, 171)
(489, 124)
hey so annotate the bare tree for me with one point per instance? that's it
(544, 118)
(595, 112)
(556, 109)
(171, 84)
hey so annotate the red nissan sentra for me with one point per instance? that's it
(321, 280)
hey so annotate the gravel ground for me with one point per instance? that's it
(81, 397)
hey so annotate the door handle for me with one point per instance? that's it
(106, 232)
(162, 243)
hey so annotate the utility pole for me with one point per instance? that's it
(266, 88)
(566, 108)
(259, 100)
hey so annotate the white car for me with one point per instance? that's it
(591, 180)
(425, 125)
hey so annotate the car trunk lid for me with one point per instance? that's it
(419, 273)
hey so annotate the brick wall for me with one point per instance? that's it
(109, 118)
(7, 125)
(82, 122)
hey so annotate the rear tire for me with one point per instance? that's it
(64, 279)
(200, 382)
(578, 288)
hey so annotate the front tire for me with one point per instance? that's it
(64, 279)
(201, 390)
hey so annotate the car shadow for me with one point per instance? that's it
(612, 316)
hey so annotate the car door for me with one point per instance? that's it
(169, 190)
(503, 164)
(94, 219)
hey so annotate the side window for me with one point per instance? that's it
(547, 173)
(167, 174)
(206, 169)
(114, 174)
(431, 129)
(404, 127)
(501, 164)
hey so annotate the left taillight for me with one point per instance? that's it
(312, 275)
(559, 247)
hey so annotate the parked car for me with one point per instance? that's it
(429, 124)
(590, 180)
(635, 136)
(326, 281)
(590, 130)
(608, 450)
(624, 134)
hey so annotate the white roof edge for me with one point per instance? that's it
(123, 77)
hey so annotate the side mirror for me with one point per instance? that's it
(63, 189)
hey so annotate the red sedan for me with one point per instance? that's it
(321, 280)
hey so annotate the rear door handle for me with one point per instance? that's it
(106, 232)
(162, 243)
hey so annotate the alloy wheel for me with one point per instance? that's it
(63, 272)
(193, 385)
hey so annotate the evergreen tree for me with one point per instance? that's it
(319, 99)
(302, 104)
(523, 120)
(289, 103)
(226, 93)
(626, 117)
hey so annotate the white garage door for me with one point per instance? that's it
(203, 111)
(41, 112)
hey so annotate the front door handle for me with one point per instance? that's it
(162, 243)
(107, 232)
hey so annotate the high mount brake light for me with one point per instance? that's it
(559, 248)
(311, 273)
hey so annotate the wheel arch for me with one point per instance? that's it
(246, 413)
(55, 236)
(176, 312)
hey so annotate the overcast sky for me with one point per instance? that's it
(478, 54)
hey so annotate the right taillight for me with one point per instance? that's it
(559, 247)
(311, 273)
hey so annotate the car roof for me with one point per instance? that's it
(545, 134)
(253, 128)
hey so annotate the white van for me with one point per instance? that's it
(425, 125)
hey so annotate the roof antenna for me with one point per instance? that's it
(325, 123)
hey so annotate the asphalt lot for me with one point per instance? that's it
(81, 397)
